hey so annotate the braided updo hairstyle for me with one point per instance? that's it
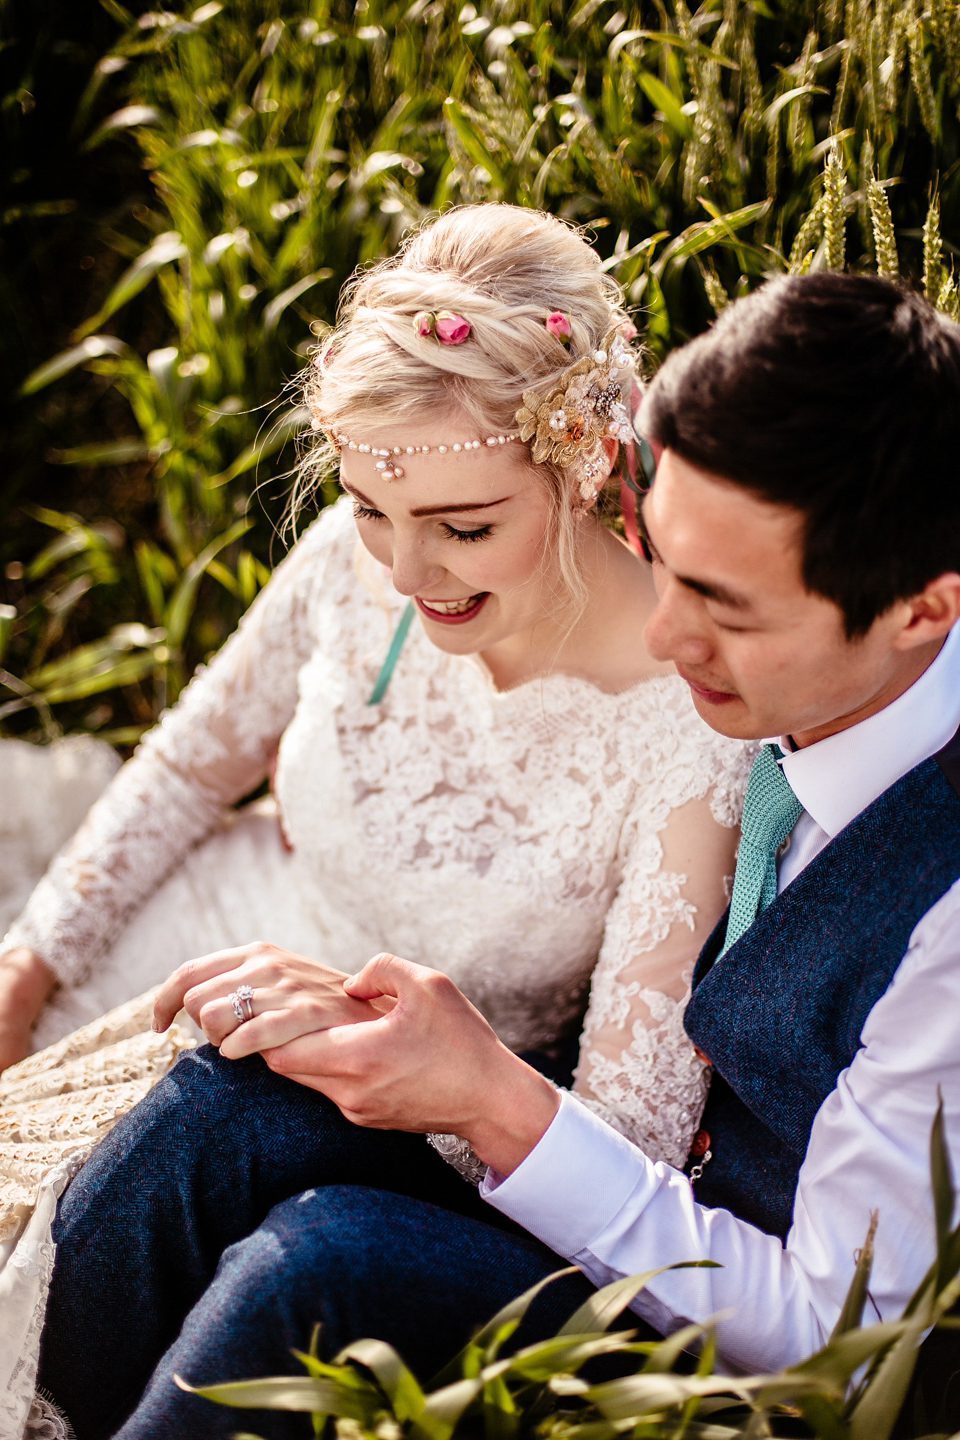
(504, 269)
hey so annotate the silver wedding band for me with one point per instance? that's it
(242, 1001)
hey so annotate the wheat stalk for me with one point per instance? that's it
(834, 218)
(932, 250)
(920, 75)
(948, 300)
(714, 286)
(871, 64)
(864, 171)
(805, 72)
(896, 52)
(840, 97)
(888, 263)
(806, 239)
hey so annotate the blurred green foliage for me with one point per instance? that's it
(268, 148)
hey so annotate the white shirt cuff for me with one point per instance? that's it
(574, 1181)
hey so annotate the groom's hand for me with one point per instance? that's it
(431, 1064)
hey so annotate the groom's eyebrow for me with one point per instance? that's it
(720, 593)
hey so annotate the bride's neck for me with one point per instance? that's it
(603, 642)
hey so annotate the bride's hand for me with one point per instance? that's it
(25, 983)
(292, 996)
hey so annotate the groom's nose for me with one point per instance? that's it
(677, 630)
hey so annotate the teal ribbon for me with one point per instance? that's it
(393, 655)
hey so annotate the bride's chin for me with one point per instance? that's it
(456, 640)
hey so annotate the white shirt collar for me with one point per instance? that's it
(839, 777)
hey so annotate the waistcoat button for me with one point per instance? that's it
(700, 1055)
(700, 1144)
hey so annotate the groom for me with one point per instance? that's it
(804, 527)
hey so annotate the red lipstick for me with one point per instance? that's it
(460, 617)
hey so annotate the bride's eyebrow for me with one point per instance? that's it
(422, 510)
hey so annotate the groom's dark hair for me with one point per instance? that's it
(838, 395)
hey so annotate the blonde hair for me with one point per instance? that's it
(504, 269)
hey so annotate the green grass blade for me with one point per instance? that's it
(90, 349)
(603, 1307)
(499, 1328)
(397, 1382)
(852, 1312)
(664, 100)
(288, 1392)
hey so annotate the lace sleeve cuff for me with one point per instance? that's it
(460, 1155)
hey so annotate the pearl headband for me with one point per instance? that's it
(389, 467)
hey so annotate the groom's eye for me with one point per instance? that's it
(647, 549)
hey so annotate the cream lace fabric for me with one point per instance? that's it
(531, 843)
(54, 1107)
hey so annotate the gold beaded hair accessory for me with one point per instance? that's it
(588, 403)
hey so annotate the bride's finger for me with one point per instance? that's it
(214, 996)
(279, 1018)
(193, 973)
(218, 1017)
(265, 1031)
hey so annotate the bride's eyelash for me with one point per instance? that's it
(465, 536)
(364, 512)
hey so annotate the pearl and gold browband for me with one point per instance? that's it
(387, 461)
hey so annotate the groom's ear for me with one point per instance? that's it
(931, 614)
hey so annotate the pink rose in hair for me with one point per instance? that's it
(424, 323)
(558, 325)
(451, 329)
(628, 330)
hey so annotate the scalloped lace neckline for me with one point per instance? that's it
(550, 679)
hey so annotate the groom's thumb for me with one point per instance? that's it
(383, 975)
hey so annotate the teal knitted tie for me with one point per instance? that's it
(770, 811)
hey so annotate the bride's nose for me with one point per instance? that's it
(414, 568)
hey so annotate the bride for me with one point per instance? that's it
(510, 790)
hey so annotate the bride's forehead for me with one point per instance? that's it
(438, 478)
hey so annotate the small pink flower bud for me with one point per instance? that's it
(424, 323)
(628, 330)
(451, 329)
(558, 324)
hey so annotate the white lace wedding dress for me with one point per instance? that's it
(522, 841)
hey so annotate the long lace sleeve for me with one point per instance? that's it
(206, 753)
(637, 1068)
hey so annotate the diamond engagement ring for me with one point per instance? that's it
(242, 1001)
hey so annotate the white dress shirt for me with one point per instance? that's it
(597, 1200)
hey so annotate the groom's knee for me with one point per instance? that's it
(368, 1263)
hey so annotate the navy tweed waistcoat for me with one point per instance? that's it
(781, 1014)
